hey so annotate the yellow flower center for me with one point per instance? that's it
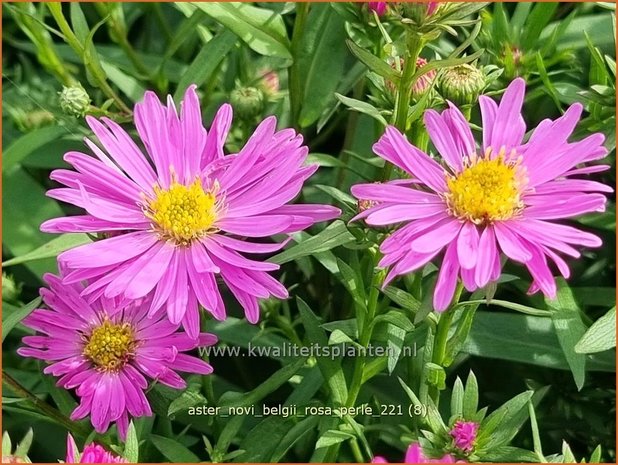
(110, 346)
(486, 190)
(183, 213)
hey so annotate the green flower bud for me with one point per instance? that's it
(10, 290)
(462, 84)
(248, 102)
(74, 100)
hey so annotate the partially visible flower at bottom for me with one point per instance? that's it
(414, 454)
(93, 453)
(464, 434)
(106, 350)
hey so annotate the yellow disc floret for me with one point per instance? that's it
(486, 190)
(183, 213)
(110, 346)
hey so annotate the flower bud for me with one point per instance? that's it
(418, 11)
(248, 102)
(10, 290)
(464, 434)
(378, 7)
(423, 83)
(462, 84)
(269, 81)
(74, 100)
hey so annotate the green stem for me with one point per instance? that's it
(439, 345)
(71, 39)
(365, 329)
(358, 456)
(404, 92)
(47, 410)
(294, 78)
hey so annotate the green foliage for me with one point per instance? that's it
(536, 374)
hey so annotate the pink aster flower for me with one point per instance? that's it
(185, 210)
(464, 434)
(415, 454)
(107, 350)
(505, 197)
(93, 453)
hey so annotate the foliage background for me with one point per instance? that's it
(127, 48)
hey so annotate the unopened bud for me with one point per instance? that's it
(378, 7)
(248, 102)
(462, 84)
(74, 100)
(10, 290)
(421, 85)
(269, 81)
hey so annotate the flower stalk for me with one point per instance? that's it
(47, 410)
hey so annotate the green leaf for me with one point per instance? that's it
(189, 398)
(126, 83)
(10, 319)
(395, 318)
(7, 447)
(525, 339)
(353, 282)
(540, 16)
(261, 29)
(470, 397)
(78, 22)
(569, 329)
(457, 399)
(375, 64)
(24, 445)
(362, 107)
(339, 337)
(51, 249)
(432, 417)
(600, 336)
(28, 143)
(344, 199)
(332, 437)
(334, 235)
(321, 61)
(396, 336)
(331, 369)
(506, 420)
(173, 450)
(131, 446)
(293, 436)
(402, 298)
(206, 62)
(567, 453)
(274, 382)
(260, 443)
